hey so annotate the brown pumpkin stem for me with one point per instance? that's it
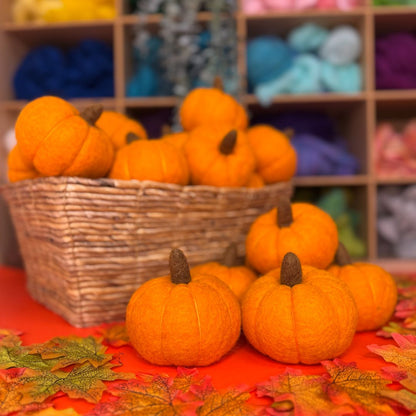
(230, 256)
(218, 83)
(289, 132)
(342, 257)
(284, 212)
(131, 137)
(92, 113)
(291, 270)
(179, 268)
(228, 142)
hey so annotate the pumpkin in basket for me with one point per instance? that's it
(373, 288)
(59, 141)
(275, 156)
(301, 228)
(299, 314)
(178, 139)
(182, 320)
(118, 126)
(255, 181)
(152, 160)
(237, 277)
(219, 156)
(209, 106)
(19, 169)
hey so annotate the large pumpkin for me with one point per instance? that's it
(275, 156)
(118, 126)
(219, 156)
(183, 320)
(373, 288)
(301, 228)
(19, 169)
(59, 141)
(209, 106)
(299, 314)
(237, 277)
(152, 160)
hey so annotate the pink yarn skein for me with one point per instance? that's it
(261, 6)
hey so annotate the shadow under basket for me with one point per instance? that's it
(87, 244)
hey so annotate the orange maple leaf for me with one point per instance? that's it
(115, 335)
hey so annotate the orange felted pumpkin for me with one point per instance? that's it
(237, 277)
(373, 288)
(19, 169)
(118, 126)
(59, 141)
(183, 321)
(255, 181)
(299, 314)
(301, 228)
(208, 106)
(219, 156)
(152, 160)
(177, 139)
(275, 156)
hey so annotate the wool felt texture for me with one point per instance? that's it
(308, 37)
(268, 57)
(342, 46)
(341, 78)
(396, 222)
(395, 62)
(374, 291)
(276, 158)
(311, 227)
(279, 322)
(192, 324)
(86, 70)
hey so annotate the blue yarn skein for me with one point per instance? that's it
(268, 57)
(144, 83)
(342, 46)
(308, 37)
(41, 72)
(341, 78)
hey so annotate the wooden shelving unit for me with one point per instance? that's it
(356, 115)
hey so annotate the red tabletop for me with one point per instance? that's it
(243, 365)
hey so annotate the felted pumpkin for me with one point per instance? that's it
(59, 141)
(182, 320)
(301, 228)
(373, 288)
(275, 156)
(209, 106)
(299, 314)
(152, 160)
(178, 139)
(118, 126)
(219, 156)
(255, 181)
(237, 277)
(19, 169)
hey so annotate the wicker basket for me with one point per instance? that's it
(88, 244)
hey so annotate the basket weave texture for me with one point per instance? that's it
(87, 244)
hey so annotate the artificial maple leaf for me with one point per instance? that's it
(403, 356)
(72, 350)
(83, 381)
(232, 402)
(19, 357)
(395, 328)
(50, 411)
(364, 391)
(306, 393)
(115, 335)
(10, 337)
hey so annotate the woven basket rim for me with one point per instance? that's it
(136, 184)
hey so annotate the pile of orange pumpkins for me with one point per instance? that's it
(216, 147)
(298, 298)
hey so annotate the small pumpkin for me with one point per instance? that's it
(275, 156)
(255, 181)
(299, 314)
(182, 320)
(219, 156)
(209, 106)
(176, 138)
(237, 277)
(152, 160)
(118, 126)
(373, 288)
(59, 141)
(19, 169)
(301, 228)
